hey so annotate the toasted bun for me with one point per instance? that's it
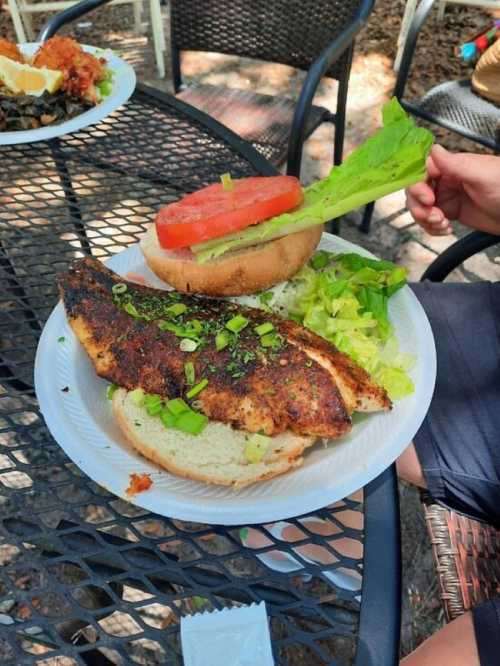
(214, 456)
(246, 271)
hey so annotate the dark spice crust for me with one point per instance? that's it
(277, 389)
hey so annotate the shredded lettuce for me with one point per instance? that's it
(105, 86)
(344, 298)
(393, 158)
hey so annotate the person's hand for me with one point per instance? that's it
(459, 186)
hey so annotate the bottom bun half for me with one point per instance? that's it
(214, 456)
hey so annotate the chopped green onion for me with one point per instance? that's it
(169, 326)
(131, 309)
(266, 297)
(167, 418)
(61, 339)
(119, 288)
(227, 182)
(110, 391)
(187, 345)
(195, 325)
(191, 422)
(221, 340)
(320, 259)
(137, 396)
(189, 372)
(105, 88)
(177, 406)
(176, 309)
(268, 340)
(256, 447)
(237, 324)
(197, 389)
(267, 327)
(153, 404)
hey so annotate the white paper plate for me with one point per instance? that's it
(123, 86)
(81, 421)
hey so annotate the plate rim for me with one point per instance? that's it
(229, 513)
(97, 113)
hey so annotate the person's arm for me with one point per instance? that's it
(453, 645)
(460, 186)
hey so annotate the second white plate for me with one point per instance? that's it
(123, 85)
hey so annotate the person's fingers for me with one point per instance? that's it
(438, 157)
(442, 228)
(421, 193)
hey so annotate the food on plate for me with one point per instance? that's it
(59, 82)
(219, 454)
(83, 72)
(248, 271)
(139, 483)
(219, 209)
(344, 298)
(187, 359)
(10, 50)
(214, 242)
(20, 78)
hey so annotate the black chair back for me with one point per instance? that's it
(289, 32)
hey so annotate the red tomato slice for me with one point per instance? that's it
(212, 211)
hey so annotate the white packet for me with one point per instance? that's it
(236, 636)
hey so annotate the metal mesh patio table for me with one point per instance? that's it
(85, 576)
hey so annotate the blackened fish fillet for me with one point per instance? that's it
(301, 383)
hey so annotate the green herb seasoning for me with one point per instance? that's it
(237, 324)
(119, 288)
(221, 341)
(197, 389)
(110, 391)
(176, 309)
(262, 329)
(189, 372)
(61, 339)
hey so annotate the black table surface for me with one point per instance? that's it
(84, 575)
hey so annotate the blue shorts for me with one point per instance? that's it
(458, 444)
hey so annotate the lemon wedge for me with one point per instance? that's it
(20, 78)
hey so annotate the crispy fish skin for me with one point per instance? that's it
(252, 388)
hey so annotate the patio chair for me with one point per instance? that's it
(466, 551)
(21, 13)
(451, 104)
(317, 37)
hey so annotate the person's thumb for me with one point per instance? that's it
(440, 162)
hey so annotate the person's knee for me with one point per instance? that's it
(409, 468)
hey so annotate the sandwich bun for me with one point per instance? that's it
(244, 271)
(214, 456)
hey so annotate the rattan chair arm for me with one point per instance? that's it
(68, 15)
(323, 62)
(419, 19)
(456, 254)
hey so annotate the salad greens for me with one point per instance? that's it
(388, 161)
(106, 85)
(344, 298)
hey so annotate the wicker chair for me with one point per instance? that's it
(451, 104)
(317, 37)
(466, 551)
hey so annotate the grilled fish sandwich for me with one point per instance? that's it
(209, 389)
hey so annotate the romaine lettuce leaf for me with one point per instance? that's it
(390, 160)
(344, 298)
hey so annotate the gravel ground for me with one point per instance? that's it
(393, 235)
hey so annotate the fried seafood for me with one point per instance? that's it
(82, 71)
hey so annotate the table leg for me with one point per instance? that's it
(380, 623)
